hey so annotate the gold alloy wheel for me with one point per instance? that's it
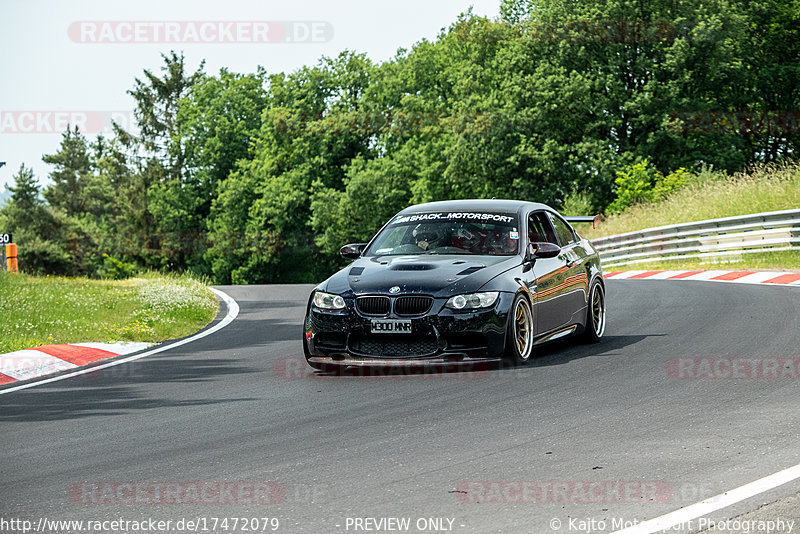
(523, 328)
(598, 311)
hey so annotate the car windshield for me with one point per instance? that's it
(495, 234)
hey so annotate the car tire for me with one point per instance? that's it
(595, 325)
(519, 338)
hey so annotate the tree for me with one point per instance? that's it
(217, 122)
(302, 146)
(37, 230)
(71, 174)
(157, 156)
(515, 11)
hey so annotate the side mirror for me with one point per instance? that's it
(352, 251)
(541, 250)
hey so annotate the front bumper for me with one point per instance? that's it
(442, 337)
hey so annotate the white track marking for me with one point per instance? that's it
(706, 275)
(757, 278)
(723, 500)
(233, 312)
(27, 364)
(120, 347)
(665, 275)
(626, 274)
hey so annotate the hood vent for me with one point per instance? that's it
(356, 271)
(470, 270)
(412, 267)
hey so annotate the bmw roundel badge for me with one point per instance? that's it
(395, 290)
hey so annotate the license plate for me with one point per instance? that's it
(390, 326)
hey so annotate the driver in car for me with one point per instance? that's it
(504, 243)
(428, 237)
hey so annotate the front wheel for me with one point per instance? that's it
(595, 314)
(519, 339)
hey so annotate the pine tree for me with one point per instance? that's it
(25, 208)
(72, 171)
(38, 230)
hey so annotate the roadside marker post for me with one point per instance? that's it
(6, 253)
(11, 258)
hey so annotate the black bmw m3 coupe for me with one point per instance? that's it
(455, 282)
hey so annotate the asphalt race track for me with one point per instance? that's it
(238, 407)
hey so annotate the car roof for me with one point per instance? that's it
(496, 205)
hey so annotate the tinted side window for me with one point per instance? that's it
(563, 231)
(539, 229)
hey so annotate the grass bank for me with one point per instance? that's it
(711, 196)
(714, 195)
(50, 310)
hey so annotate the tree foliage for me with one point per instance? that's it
(587, 106)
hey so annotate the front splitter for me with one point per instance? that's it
(401, 362)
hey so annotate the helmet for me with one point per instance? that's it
(428, 233)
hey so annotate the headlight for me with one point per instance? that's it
(473, 301)
(326, 301)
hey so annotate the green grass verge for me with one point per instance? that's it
(713, 195)
(47, 310)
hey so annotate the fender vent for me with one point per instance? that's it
(356, 271)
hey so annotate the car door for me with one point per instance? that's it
(576, 282)
(550, 313)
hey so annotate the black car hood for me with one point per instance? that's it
(439, 276)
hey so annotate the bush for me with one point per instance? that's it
(640, 183)
(578, 203)
(114, 269)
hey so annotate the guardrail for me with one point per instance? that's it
(716, 238)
